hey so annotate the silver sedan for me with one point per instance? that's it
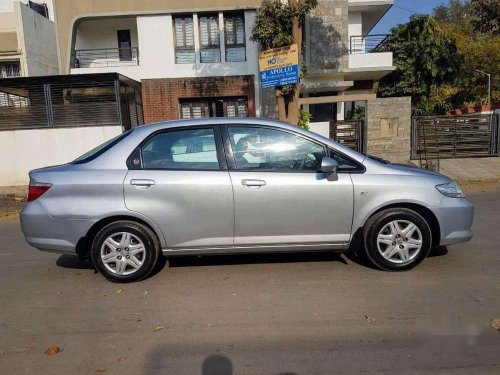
(220, 186)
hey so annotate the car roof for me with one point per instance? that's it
(213, 121)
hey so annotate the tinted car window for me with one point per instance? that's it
(270, 149)
(183, 149)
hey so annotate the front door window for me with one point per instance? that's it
(256, 148)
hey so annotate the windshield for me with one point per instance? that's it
(380, 160)
(101, 149)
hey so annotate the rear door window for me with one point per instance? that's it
(193, 149)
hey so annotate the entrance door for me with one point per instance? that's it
(124, 45)
(279, 195)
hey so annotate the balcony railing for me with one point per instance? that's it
(366, 43)
(105, 57)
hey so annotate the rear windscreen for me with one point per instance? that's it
(101, 149)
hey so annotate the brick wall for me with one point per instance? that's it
(389, 128)
(161, 96)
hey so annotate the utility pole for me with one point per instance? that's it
(489, 84)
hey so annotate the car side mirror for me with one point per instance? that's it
(329, 165)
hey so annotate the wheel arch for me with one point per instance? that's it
(423, 211)
(84, 244)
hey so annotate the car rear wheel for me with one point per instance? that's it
(125, 251)
(397, 239)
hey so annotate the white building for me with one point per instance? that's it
(27, 39)
(166, 45)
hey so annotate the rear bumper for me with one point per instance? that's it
(455, 216)
(49, 234)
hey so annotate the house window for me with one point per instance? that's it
(9, 69)
(184, 40)
(209, 38)
(234, 33)
(214, 107)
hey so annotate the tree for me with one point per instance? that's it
(479, 52)
(473, 31)
(279, 24)
(456, 11)
(424, 56)
(486, 16)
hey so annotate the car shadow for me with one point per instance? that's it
(73, 262)
(361, 259)
(438, 251)
(260, 258)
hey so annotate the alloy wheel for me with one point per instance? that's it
(399, 241)
(123, 253)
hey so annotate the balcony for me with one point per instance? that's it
(366, 44)
(368, 59)
(105, 57)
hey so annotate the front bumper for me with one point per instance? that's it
(47, 233)
(455, 216)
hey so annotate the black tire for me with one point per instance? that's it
(380, 220)
(141, 232)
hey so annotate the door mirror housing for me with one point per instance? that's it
(329, 165)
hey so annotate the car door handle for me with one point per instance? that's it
(253, 183)
(144, 183)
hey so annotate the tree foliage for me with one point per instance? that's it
(424, 56)
(478, 42)
(486, 16)
(273, 25)
(438, 58)
(456, 11)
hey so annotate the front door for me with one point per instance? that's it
(182, 186)
(279, 195)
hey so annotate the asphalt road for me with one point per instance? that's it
(258, 314)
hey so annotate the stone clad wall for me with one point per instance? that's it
(327, 36)
(389, 128)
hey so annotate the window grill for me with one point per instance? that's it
(184, 40)
(213, 107)
(209, 38)
(234, 33)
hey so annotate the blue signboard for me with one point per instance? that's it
(279, 76)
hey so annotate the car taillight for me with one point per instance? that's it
(35, 190)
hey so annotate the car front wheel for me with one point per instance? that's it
(397, 239)
(125, 251)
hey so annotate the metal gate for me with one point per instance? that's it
(348, 133)
(455, 137)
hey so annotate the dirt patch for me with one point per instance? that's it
(478, 187)
(11, 204)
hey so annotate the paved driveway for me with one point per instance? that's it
(258, 314)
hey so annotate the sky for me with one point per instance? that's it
(397, 14)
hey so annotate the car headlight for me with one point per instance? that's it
(451, 190)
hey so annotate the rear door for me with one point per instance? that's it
(183, 184)
(279, 195)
